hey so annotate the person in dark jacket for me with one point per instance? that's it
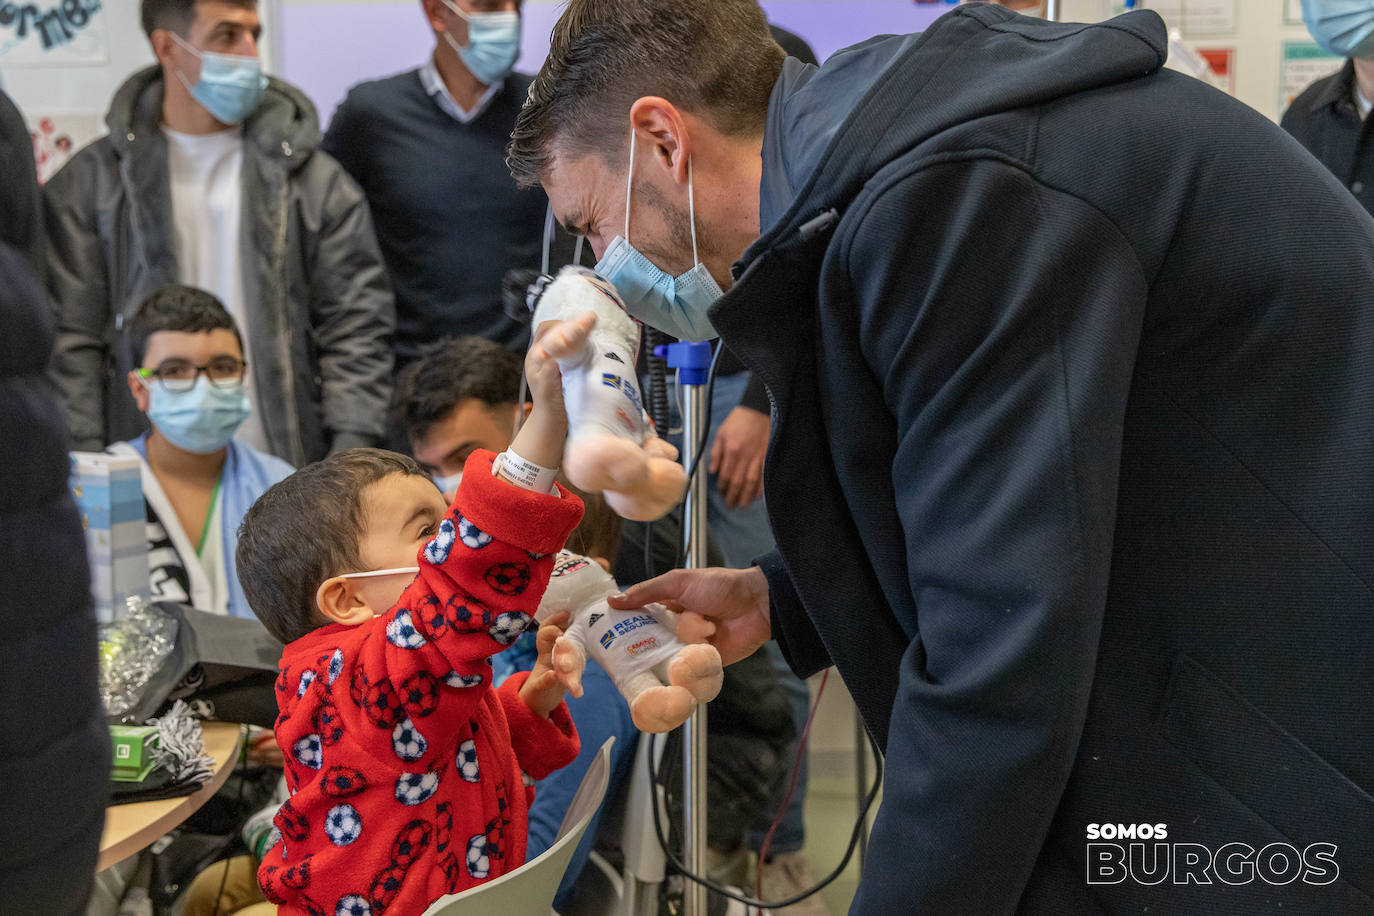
(428, 149)
(1330, 117)
(20, 223)
(1071, 361)
(55, 750)
(211, 177)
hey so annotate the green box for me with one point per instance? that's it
(133, 747)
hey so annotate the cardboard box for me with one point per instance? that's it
(109, 493)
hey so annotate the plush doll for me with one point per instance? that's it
(611, 445)
(661, 678)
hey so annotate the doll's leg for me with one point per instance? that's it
(655, 706)
(698, 669)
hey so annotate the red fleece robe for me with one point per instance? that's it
(410, 776)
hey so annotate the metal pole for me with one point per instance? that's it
(694, 729)
(1052, 10)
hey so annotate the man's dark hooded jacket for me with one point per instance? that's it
(1072, 363)
(319, 308)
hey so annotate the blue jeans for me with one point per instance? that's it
(742, 535)
(598, 714)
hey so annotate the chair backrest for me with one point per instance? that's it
(530, 889)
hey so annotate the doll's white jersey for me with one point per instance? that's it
(624, 643)
(600, 389)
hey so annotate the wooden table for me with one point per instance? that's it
(132, 827)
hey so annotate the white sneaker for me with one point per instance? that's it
(788, 874)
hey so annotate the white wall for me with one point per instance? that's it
(325, 46)
(67, 88)
(1261, 28)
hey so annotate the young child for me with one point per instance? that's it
(410, 776)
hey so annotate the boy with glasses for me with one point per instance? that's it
(197, 481)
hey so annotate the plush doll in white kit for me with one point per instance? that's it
(661, 678)
(611, 446)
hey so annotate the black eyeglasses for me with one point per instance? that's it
(180, 375)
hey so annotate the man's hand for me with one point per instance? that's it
(543, 690)
(727, 608)
(737, 456)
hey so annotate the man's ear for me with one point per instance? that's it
(163, 47)
(663, 132)
(139, 391)
(339, 602)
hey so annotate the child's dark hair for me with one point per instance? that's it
(178, 308)
(304, 530)
(449, 373)
(598, 534)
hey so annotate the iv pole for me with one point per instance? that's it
(693, 362)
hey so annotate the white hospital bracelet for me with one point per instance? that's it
(523, 473)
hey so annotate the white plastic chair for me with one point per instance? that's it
(530, 889)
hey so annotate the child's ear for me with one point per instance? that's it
(339, 602)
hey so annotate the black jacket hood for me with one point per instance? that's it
(832, 128)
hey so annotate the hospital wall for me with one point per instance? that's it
(380, 37)
(326, 46)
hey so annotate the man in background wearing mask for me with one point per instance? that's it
(428, 149)
(188, 378)
(210, 177)
(1330, 117)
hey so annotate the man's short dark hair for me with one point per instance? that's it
(176, 15)
(449, 373)
(177, 308)
(305, 530)
(715, 59)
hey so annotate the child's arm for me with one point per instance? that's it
(481, 578)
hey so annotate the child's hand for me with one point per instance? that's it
(543, 689)
(541, 437)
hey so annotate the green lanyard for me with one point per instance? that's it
(205, 529)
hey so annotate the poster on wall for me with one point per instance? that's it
(52, 32)
(56, 137)
(1302, 63)
(1195, 18)
(1292, 12)
(1222, 62)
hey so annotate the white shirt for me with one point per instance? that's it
(1361, 103)
(434, 86)
(206, 172)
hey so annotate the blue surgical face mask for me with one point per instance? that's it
(676, 305)
(493, 43)
(447, 485)
(230, 85)
(201, 420)
(1343, 27)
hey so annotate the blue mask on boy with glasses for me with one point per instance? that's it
(197, 408)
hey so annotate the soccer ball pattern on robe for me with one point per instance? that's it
(353, 905)
(508, 627)
(343, 825)
(416, 788)
(473, 537)
(437, 550)
(388, 708)
(407, 741)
